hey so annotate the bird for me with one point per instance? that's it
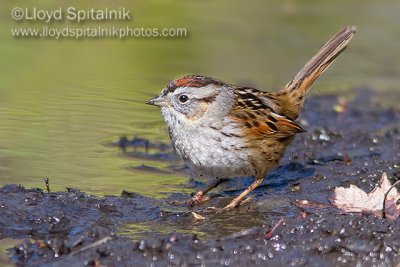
(225, 130)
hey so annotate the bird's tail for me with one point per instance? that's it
(295, 90)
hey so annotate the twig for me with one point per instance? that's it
(46, 182)
(270, 233)
(384, 199)
(94, 244)
(246, 232)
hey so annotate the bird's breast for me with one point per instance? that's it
(212, 151)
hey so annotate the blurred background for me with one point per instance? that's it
(62, 101)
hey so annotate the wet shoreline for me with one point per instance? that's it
(351, 143)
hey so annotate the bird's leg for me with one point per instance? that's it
(198, 196)
(236, 201)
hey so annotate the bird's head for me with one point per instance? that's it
(194, 98)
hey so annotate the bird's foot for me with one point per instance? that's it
(228, 207)
(233, 204)
(197, 198)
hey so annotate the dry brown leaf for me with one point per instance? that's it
(354, 199)
(197, 216)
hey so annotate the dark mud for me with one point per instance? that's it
(353, 146)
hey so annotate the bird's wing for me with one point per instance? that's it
(258, 116)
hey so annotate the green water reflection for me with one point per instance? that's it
(60, 101)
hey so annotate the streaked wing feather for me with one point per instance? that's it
(258, 118)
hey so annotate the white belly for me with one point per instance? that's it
(207, 151)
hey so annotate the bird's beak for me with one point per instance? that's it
(157, 101)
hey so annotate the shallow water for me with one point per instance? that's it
(62, 102)
(354, 146)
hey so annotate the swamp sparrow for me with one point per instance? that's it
(226, 131)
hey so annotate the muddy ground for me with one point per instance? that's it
(345, 143)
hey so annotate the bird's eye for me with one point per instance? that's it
(183, 98)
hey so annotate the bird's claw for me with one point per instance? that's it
(222, 210)
(232, 205)
(196, 199)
